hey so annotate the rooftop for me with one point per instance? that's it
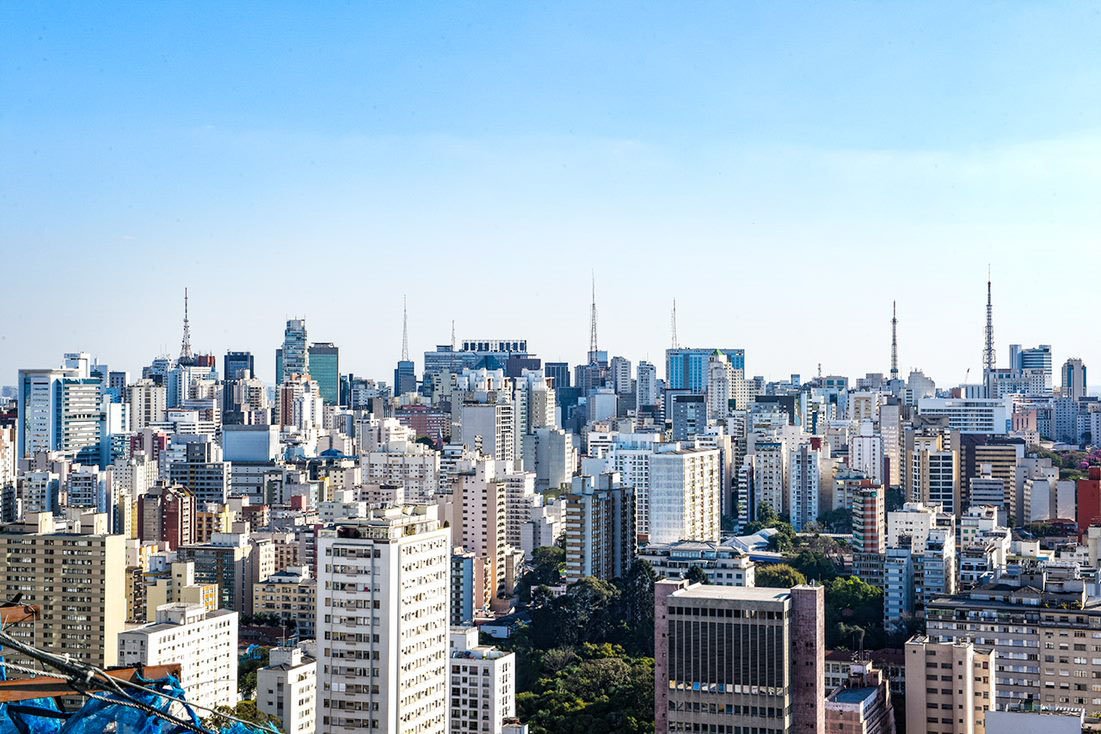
(853, 695)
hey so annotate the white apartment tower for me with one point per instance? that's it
(287, 690)
(382, 624)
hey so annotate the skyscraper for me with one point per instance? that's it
(62, 410)
(234, 362)
(405, 375)
(325, 370)
(295, 355)
(686, 369)
(1074, 378)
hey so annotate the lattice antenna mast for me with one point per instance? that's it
(592, 327)
(894, 340)
(988, 349)
(404, 330)
(185, 346)
(676, 342)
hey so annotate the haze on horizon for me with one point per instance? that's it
(783, 170)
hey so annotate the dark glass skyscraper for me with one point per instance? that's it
(234, 362)
(405, 377)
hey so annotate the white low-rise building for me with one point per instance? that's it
(287, 689)
(203, 643)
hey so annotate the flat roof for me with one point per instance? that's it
(711, 591)
(853, 695)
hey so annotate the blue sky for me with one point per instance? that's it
(783, 169)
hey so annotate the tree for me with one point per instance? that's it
(837, 521)
(603, 691)
(815, 565)
(545, 569)
(854, 608)
(637, 608)
(779, 576)
(246, 673)
(696, 575)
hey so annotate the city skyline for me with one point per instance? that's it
(760, 164)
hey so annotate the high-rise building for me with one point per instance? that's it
(949, 686)
(869, 533)
(235, 363)
(294, 357)
(148, 402)
(739, 659)
(686, 369)
(1074, 378)
(559, 372)
(382, 613)
(646, 385)
(167, 515)
(684, 495)
(204, 643)
(490, 427)
(62, 410)
(325, 370)
(804, 478)
(483, 684)
(600, 528)
(78, 578)
(689, 415)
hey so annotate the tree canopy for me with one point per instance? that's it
(778, 576)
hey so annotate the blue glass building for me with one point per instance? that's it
(686, 369)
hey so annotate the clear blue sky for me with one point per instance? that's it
(783, 169)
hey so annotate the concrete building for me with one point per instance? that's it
(862, 705)
(62, 410)
(1074, 378)
(167, 515)
(483, 684)
(148, 403)
(383, 614)
(600, 528)
(490, 428)
(869, 534)
(804, 481)
(684, 496)
(724, 564)
(286, 688)
(970, 415)
(234, 563)
(949, 686)
(204, 644)
(1041, 623)
(291, 595)
(739, 659)
(78, 578)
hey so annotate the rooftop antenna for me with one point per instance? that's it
(592, 327)
(452, 335)
(676, 342)
(894, 340)
(404, 330)
(988, 349)
(185, 346)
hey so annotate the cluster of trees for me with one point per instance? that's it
(586, 661)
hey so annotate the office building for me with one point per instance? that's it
(600, 528)
(324, 362)
(739, 659)
(382, 612)
(286, 688)
(203, 643)
(1074, 378)
(646, 385)
(294, 357)
(686, 369)
(969, 415)
(689, 415)
(62, 410)
(234, 364)
(483, 684)
(949, 686)
(232, 562)
(148, 403)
